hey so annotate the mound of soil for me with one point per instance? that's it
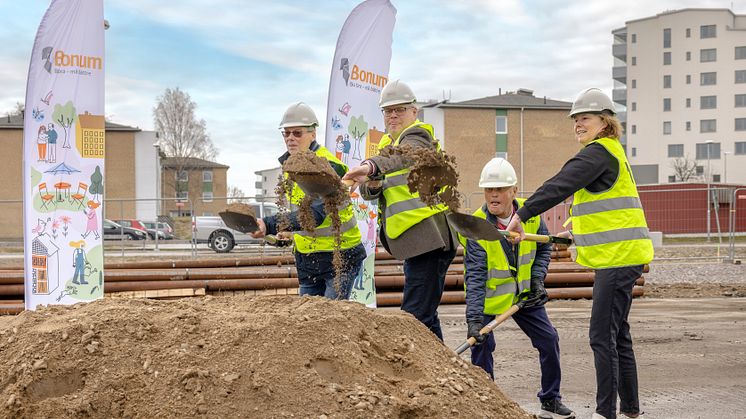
(236, 357)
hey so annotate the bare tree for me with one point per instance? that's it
(684, 168)
(235, 195)
(18, 108)
(181, 135)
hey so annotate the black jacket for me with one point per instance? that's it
(475, 263)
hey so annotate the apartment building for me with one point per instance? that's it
(266, 183)
(680, 86)
(193, 186)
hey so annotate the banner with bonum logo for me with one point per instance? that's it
(354, 124)
(63, 152)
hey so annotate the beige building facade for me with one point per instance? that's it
(533, 133)
(193, 186)
(680, 81)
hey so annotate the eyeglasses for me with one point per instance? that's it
(399, 111)
(297, 133)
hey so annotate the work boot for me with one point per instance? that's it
(554, 409)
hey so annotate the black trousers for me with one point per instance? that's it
(611, 342)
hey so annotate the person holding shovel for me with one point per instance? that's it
(411, 230)
(314, 250)
(499, 274)
(611, 236)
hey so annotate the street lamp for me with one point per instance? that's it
(725, 166)
(709, 176)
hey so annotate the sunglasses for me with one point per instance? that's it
(398, 111)
(297, 133)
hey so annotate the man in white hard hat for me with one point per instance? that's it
(499, 274)
(410, 230)
(314, 250)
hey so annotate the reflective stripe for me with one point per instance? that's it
(526, 259)
(500, 273)
(328, 231)
(592, 207)
(396, 180)
(509, 288)
(611, 236)
(401, 206)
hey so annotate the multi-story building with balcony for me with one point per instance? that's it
(680, 89)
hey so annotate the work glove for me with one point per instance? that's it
(538, 295)
(473, 331)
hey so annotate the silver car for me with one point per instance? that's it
(213, 231)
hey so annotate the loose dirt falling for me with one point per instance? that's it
(241, 208)
(236, 357)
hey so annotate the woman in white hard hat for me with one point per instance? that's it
(498, 275)
(611, 236)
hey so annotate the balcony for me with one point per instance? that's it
(619, 51)
(619, 96)
(619, 74)
(258, 185)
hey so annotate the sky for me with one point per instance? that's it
(243, 62)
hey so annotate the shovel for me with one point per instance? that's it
(477, 228)
(488, 328)
(239, 221)
(320, 184)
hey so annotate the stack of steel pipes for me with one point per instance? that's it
(276, 274)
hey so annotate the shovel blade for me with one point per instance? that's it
(240, 222)
(472, 227)
(316, 184)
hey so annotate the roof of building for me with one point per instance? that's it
(190, 163)
(674, 11)
(523, 98)
(274, 169)
(15, 121)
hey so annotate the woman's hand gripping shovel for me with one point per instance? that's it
(490, 327)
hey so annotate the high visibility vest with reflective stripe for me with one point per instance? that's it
(322, 238)
(502, 288)
(403, 208)
(609, 227)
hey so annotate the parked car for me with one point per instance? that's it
(114, 231)
(132, 223)
(213, 231)
(164, 228)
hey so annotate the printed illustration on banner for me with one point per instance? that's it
(89, 138)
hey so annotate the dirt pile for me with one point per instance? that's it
(235, 357)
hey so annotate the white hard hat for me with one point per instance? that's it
(396, 93)
(299, 115)
(592, 100)
(497, 173)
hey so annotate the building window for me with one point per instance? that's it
(707, 125)
(709, 79)
(707, 31)
(688, 79)
(672, 179)
(688, 125)
(700, 170)
(666, 104)
(666, 127)
(708, 102)
(703, 148)
(676, 150)
(184, 195)
(740, 147)
(740, 53)
(740, 124)
(716, 178)
(708, 55)
(688, 102)
(634, 129)
(634, 106)
(634, 60)
(501, 124)
(634, 38)
(740, 76)
(634, 83)
(206, 196)
(666, 58)
(667, 38)
(207, 176)
(667, 82)
(688, 55)
(182, 176)
(634, 151)
(688, 32)
(740, 101)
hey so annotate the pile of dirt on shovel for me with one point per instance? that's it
(235, 357)
(241, 208)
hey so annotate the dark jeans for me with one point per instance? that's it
(424, 279)
(616, 369)
(536, 325)
(316, 275)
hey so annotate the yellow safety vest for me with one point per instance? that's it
(322, 238)
(609, 227)
(403, 208)
(505, 286)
